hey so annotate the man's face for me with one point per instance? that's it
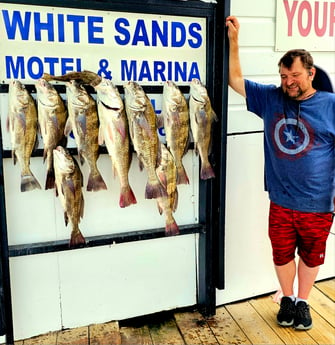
(296, 81)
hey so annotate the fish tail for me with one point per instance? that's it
(29, 182)
(127, 197)
(182, 177)
(154, 190)
(50, 180)
(95, 182)
(77, 239)
(171, 228)
(206, 172)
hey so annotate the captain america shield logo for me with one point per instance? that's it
(291, 137)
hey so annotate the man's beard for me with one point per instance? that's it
(298, 94)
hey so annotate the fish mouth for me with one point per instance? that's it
(197, 100)
(109, 107)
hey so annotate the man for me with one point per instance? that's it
(299, 137)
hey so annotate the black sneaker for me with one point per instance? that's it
(302, 319)
(285, 316)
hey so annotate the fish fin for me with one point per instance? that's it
(196, 150)
(214, 117)
(28, 183)
(95, 183)
(14, 157)
(172, 229)
(155, 190)
(206, 172)
(101, 137)
(182, 177)
(81, 157)
(62, 141)
(68, 127)
(66, 219)
(45, 154)
(22, 120)
(140, 165)
(174, 198)
(127, 197)
(120, 127)
(160, 120)
(143, 123)
(81, 120)
(47, 76)
(160, 209)
(77, 239)
(50, 180)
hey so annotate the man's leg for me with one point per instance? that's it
(306, 278)
(286, 274)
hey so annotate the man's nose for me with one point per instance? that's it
(290, 80)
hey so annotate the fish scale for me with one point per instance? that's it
(83, 122)
(22, 125)
(176, 125)
(52, 115)
(202, 116)
(69, 181)
(143, 133)
(113, 131)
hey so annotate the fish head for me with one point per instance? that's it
(173, 98)
(135, 96)
(17, 93)
(198, 91)
(76, 93)
(63, 160)
(109, 95)
(46, 93)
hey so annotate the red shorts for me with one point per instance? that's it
(289, 229)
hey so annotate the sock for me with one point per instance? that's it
(292, 297)
(300, 300)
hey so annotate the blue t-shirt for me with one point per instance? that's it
(299, 146)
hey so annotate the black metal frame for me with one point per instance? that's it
(211, 192)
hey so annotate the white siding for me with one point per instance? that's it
(249, 268)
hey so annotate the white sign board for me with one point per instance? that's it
(308, 24)
(121, 46)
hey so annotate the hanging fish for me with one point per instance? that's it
(69, 182)
(177, 126)
(52, 116)
(22, 125)
(167, 174)
(202, 116)
(143, 133)
(83, 77)
(83, 122)
(113, 131)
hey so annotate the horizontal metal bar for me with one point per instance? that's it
(243, 133)
(102, 240)
(61, 88)
(189, 8)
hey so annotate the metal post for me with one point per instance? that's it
(7, 298)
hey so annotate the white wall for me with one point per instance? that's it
(92, 285)
(249, 268)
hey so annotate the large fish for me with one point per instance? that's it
(113, 131)
(167, 173)
(69, 182)
(83, 122)
(84, 77)
(52, 116)
(143, 133)
(202, 116)
(22, 125)
(176, 126)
